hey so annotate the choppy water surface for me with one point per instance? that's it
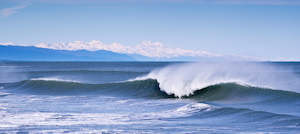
(149, 97)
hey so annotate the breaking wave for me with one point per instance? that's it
(221, 82)
(185, 79)
(147, 89)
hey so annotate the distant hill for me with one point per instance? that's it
(22, 53)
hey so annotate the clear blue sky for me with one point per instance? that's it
(267, 30)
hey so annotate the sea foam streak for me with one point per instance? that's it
(184, 79)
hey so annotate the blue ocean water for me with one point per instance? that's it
(149, 97)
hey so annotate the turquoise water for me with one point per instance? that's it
(149, 97)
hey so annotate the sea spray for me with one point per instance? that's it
(184, 79)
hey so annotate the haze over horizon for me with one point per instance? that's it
(255, 29)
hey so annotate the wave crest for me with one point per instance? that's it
(184, 79)
(53, 79)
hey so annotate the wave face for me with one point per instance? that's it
(142, 88)
(185, 79)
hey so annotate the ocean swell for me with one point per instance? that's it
(223, 92)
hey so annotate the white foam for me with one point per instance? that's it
(14, 120)
(59, 119)
(3, 106)
(192, 108)
(122, 101)
(184, 111)
(4, 94)
(184, 79)
(54, 79)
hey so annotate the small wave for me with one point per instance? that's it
(246, 115)
(2, 94)
(193, 108)
(122, 101)
(178, 112)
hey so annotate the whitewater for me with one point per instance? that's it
(149, 97)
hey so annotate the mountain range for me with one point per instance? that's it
(31, 53)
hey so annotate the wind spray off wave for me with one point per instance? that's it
(184, 79)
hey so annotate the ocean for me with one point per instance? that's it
(150, 97)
